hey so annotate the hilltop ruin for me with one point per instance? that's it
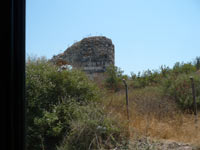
(92, 55)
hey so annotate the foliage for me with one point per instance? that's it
(175, 82)
(147, 78)
(114, 76)
(186, 68)
(63, 106)
(164, 71)
(46, 88)
(155, 77)
(179, 88)
(93, 129)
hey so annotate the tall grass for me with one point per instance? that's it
(160, 103)
(67, 111)
(153, 115)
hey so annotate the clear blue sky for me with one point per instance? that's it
(146, 33)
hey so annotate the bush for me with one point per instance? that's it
(114, 76)
(93, 129)
(63, 105)
(179, 89)
(148, 78)
(46, 89)
(186, 68)
(154, 78)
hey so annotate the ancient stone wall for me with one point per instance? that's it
(93, 55)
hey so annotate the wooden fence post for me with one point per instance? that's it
(194, 99)
(127, 102)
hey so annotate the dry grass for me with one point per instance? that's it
(154, 116)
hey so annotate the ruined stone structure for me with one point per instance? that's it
(92, 55)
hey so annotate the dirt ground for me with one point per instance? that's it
(150, 144)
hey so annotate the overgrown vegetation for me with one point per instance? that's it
(63, 108)
(66, 111)
(94, 129)
(114, 78)
(175, 83)
(179, 89)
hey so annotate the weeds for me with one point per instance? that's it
(67, 110)
(155, 116)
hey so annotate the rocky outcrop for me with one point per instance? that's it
(92, 55)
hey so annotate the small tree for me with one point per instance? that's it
(114, 76)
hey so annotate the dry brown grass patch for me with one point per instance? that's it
(154, 116)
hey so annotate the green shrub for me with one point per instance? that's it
(186, 68)
(154, 78)
(46, 88)
(179, 88)
(147, 78)
(164, 71)
(114, 76)
(53, 125)
(93, 129)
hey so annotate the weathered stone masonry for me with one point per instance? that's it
(93, 55)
